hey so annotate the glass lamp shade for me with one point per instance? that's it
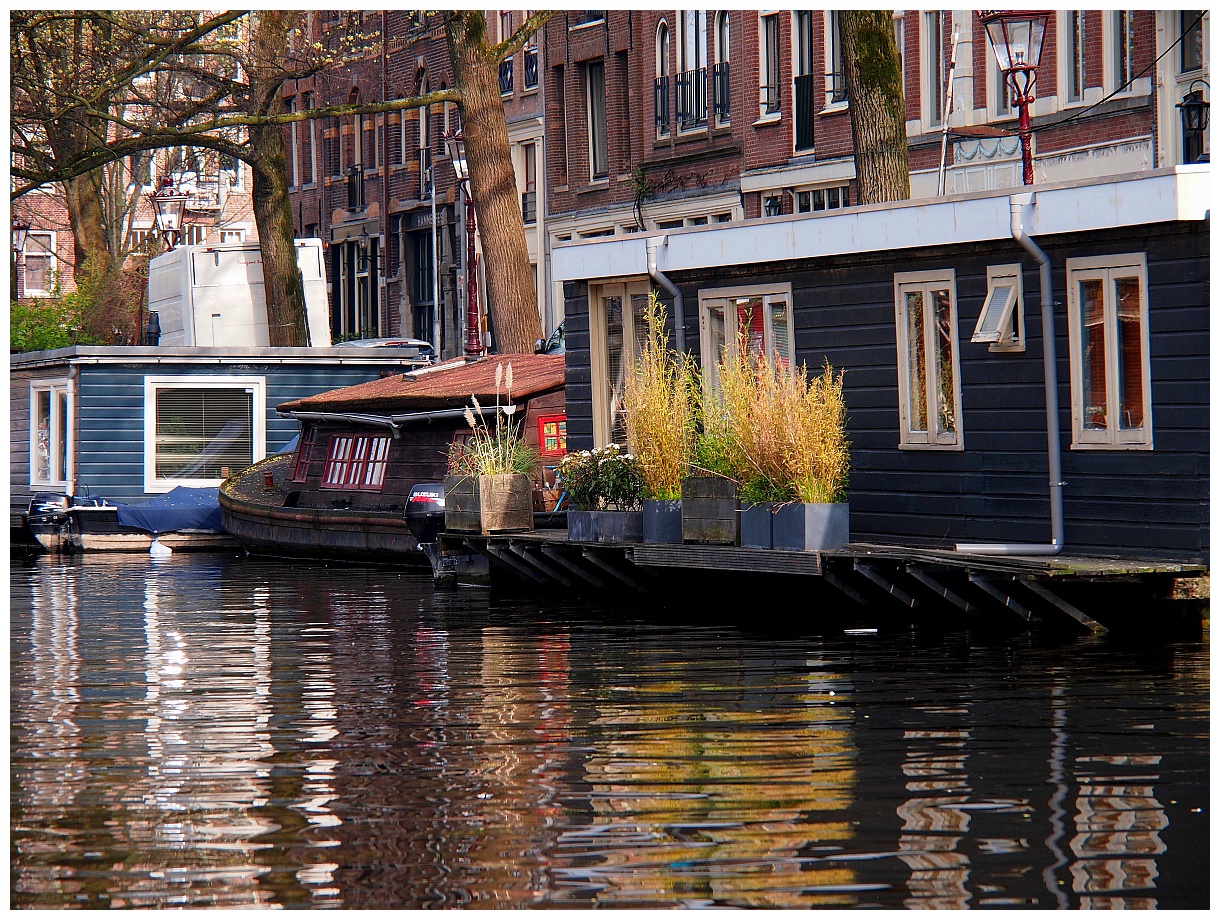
(170, 207)
(21, 231)
(456, 148)
(1195, 112)
(1016, 36)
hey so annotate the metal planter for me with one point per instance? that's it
(662, 520)
(756, 525)
(811, 527)
(606, 526)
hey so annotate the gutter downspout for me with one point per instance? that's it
(1017, 204)
(656, 275)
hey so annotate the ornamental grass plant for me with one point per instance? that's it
(497, 448)
(781, 433)
(660, 397)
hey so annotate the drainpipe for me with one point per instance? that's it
(656, 275)
(1017, 204)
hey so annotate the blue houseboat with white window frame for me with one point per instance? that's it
(934, 310)
(126, 424)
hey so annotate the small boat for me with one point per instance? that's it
(183, 519)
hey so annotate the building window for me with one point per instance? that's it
(356, 462)
(305, 453)
(529, 197)
(1108, 339)
(929, 388)
(1001, 320)
(617, 332)
(588, 17)
(595, 84)
(758, 319)
(232, 236)
(768, 102)
(720, 70)
(660, 84)
(1123, 36)
(836, 82)
(552, 435)
(38, 264)
(310, 132)
(826, 198)
(1073, 49)
(934, 68)
(199, 430)
(50, 435)
(1001, 90)
(691, 81)
(294, 154)
(1191, 23)
(530, 58)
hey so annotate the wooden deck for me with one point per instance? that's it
(915, 580)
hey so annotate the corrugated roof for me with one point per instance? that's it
(446, 386)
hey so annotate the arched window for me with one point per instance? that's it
(660, 87)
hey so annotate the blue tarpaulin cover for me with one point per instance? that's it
(182, 508)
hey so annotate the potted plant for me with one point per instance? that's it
(659, 401)
(710, 505)
(605, 488)
(788, 451)
(487, 487)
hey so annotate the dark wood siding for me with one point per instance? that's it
(995, 489)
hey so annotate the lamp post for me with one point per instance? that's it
(169, 207)
(457, 154)
(1195, 112)
(21, 232)
(1016, 38)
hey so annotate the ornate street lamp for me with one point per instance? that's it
(1016, 38)
(1195, 112)
(21, 232)
(457, 154)
(169, 208)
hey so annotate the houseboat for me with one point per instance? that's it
(343, 492)
(1027, 369)
(94, 429)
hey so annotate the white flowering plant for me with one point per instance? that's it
(493, 449)
(608, 477)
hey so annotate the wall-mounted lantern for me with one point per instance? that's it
(1195, 111)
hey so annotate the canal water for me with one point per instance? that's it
(229, 732)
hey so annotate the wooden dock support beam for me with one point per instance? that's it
(602, 564)
(1004, 598)
(932, 584)
(1055, 600)
(572, 567)
(519, 551)
(885, 584)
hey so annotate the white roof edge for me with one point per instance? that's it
(1180, 193)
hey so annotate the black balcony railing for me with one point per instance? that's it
(720, 91)
(355, 188)
(660, 104)
(531, 68)
(529, 207)
(690, 98)
(506, 77)
(802, 93)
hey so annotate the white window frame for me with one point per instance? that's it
(1070, 56)
(929, 82)
(52, 263)
(832, 54)
(312, 170)
(603, 386)
(231, 236)
(910, 438)
(599, 142)
(712, 299)
(1107, 269)
(769, 54)
(661, 54)
(293, 152)
(1004, 332)
(1113, 40)
(842, 188)
(256, 386)
(60, 435)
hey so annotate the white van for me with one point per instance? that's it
(213, 295)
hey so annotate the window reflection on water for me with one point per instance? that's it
(229, 733)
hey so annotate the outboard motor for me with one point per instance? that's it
(425, 511)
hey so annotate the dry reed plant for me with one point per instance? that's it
(659, 403)
(788, 433)
(489, 452)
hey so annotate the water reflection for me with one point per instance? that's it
(223, 732)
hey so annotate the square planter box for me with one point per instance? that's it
(811, 527)
(710, 510)
(489, 504)
(756, 526)
(606, 526)
(662, 521)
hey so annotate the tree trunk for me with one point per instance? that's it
(282, 285)
(873, 80)
(514, 303)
